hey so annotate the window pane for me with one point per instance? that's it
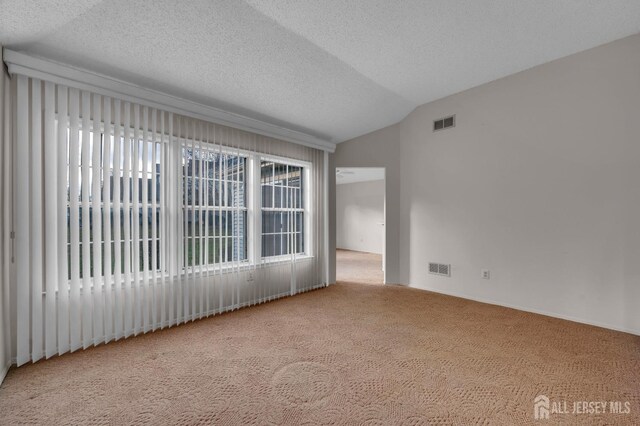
(280, 174)
(279, 201)
(299, 224)
(266, 172)
(295, 174)
(267, 196)
(299, 242)
(210, 192)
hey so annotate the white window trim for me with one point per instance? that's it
(216, 266)
(306, 207)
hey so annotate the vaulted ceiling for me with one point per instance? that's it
(334, 69)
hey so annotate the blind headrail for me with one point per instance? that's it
(30, 66)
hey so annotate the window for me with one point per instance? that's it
(282, 208)
(123, 189)
(214, 206)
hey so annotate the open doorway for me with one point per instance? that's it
(360, 224)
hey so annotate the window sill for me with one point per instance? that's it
(205, 272)
(283, 259)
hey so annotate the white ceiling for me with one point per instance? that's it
(358, 174)
(334, 69)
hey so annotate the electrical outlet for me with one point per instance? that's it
(486, 274)
(250, 276)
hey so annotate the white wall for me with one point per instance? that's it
(360, 215)
(539, 182)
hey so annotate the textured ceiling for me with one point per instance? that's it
(335, 69)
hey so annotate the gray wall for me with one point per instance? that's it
(538, 182)
(360, 215)
(332, 218)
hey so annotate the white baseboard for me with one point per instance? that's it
(534, 311)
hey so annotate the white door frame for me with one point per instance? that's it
(384, 210)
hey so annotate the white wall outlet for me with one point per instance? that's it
(486, 274)
(250, 276)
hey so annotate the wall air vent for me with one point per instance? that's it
(440, 269)
(444, 123)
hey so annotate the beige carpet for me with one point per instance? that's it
(347, 354)
(359, 267)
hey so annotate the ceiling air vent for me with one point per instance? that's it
(444, 123)
(440, 269)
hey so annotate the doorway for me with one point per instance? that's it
(360, 225)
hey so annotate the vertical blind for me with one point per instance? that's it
(129, 219)
(6, 120)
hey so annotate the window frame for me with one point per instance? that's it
(305, 207)
(228, 264)
(252, 206)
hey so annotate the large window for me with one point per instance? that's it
(215, 216)
(214, 206)
(282, 208)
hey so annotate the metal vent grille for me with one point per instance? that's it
(444, 123)
(440, 269)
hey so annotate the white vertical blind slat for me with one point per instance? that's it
(219, 173)
(154, 224)
(22, 237)
(136, 219)
(144, 181)
(196, 225)
(207, 225)
(63, 286)
(106, 220)
(7, 180)
(192, 216)
(75, 318)
(164, 226)
(118, 321)
(198, 294)
(224, 222)
(51, 218)
(174, 191)
(236, 220)
(127, 217)
(97, 235)
(37, 252)
(87, 303)
(182, 232)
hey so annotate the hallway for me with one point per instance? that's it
(359, 267)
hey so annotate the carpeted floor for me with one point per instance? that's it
(347, 354)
